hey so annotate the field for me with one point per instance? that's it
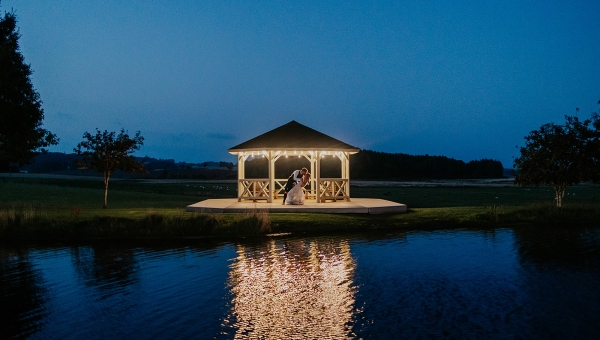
(64, 207)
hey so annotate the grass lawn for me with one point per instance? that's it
(455, 196)
(63, 203)
(126, 198)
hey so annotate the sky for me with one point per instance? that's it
(462, 79)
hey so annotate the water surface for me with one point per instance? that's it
(504, 283)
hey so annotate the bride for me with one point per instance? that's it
(296, 195)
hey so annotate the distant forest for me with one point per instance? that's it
(381, 165)
(369, 165)
(64, 164)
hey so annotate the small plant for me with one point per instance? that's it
(20, 219)
(494, 213)
(253, 223)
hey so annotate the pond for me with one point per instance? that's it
(502, 283)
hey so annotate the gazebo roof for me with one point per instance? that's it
(293, 136)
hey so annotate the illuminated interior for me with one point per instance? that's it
(329, 188)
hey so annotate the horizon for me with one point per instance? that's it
(462, 80)
(235, 162)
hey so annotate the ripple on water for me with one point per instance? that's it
(521, 282)
(286, 288)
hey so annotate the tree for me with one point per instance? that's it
(106, 152)
(593, 149)
(560, 155)
(21, 113)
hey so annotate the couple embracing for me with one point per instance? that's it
(293, 191)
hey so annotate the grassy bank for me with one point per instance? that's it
(27, 222)
(38, 208)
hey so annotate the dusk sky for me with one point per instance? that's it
(463, 79)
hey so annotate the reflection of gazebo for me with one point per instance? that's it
(284, 289)
(294, 140)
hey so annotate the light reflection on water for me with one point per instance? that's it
(284, 289)
(516, 283)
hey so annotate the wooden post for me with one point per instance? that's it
(240, 175)
(318, 177)
(343, 166)
(312, 172)
(271, 177)
(347, 167)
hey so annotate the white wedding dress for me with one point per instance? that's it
(296, 195)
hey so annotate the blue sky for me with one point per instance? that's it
(463, 79)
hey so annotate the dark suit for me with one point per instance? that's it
(294, 177)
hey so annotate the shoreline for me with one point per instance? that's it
(195, 226)
(59, 208)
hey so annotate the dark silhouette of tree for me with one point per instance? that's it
(558, 246)
(158, 164)
(560, 155)
(106, 152)
(592, 149)
(258, 167)
(21, 113)
(106, 266)
(23, 294)
(227, 165)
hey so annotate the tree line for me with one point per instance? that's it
(369, 164)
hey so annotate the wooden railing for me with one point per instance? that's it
(258, 189)
(253, 189)
(334, 189)
(279, 187)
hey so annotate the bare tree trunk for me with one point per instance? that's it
(106, 178)
(560, 194)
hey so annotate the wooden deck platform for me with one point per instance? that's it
(355, 206)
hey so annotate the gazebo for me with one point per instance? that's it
(294, 140)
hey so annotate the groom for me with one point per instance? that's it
(294, 177)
